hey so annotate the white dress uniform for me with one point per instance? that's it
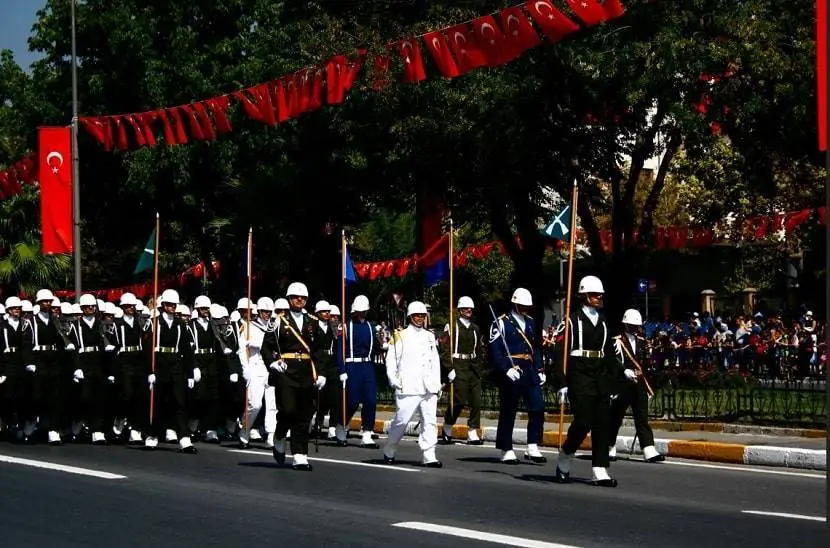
(256, 378)
(413, 368)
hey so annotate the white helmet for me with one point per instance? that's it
(87, 300)
(13, 302)
(66, 308)
(56, 302)
(2, 309)
(265, 304)
(245, 304)
(182, 309)
(322, 306)
(26, 305)
(76, 310)
(194, 314)
(235, 316)
(118, 312)
(128, 299)
(335, 310)
(216, 311)
(416, 307)
(36, 309)
(465, 302)
(110, 309)
(281, 304)
(297, 289)
(201, 302)
(632, 317)
(591, 284)
(360, 304)
(170, 296)
(44, 295)
(100, 304)
(522, 297)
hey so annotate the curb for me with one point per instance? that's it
(667, 425)
(729, 453)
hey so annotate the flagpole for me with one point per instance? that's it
(249, 267)
(566, 317)
(155, 316)
(451, 395)
(76, 179)
(343, 322)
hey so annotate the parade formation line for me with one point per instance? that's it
(784, 515)
(478, 535)
(61, 468)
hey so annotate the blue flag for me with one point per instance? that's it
(436, 262)
(350, 275)
(559, 227)
(438, 272)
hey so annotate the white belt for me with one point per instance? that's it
(358, 360)
(463, 356)
(588, 353)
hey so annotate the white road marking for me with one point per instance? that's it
(478, 535)
(784, 515)
(332, 461)
(61, 468)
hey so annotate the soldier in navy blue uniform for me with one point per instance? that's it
(591, 380)
(518, 364)
(357, 370)
(11, 367)
(131, 367)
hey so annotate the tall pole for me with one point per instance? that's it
(451, 323)
(343, 417)
(76, 180)
(154, 312)
(566, 338)
(826, 22)
(249, 267)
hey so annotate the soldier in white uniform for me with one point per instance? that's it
(413, 368)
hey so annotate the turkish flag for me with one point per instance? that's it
(441, 54)
(55, 169)
(821, 71)
(518, 32)
(467, 51)
(553, 22)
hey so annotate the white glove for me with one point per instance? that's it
(563, 394)
(79, 375)
(451, 375)
(228, 351)
(191, 383)
(343, 378)
(320, 382)
(109, 348)
(151, 379)
(31, 368)
(395, 384)
(197, 374)
(234, 377)
(513, 374)
(243, 343)
(111, 379)
(69, 347)
(542, 379)
(2, 379)
(279, 366)
(630, 374)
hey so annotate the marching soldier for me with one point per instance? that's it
(324, 335)
(517, 357)
(231, 391)
(289, 353)
(254, 370)
(131, 367)
(207, 352)
(466, 352)
(90, 371)
(590, 378)
(11, 366)
(413, 368)
(174, 374)
(47, 368)
(634, 390)
(357, 370)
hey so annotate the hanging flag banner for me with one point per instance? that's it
(55, 171)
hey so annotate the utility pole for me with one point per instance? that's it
(76, 180)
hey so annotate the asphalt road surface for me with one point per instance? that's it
(81, 495)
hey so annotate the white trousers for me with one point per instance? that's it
(258, 388)
(427, 404)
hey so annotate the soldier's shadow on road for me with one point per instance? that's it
(539, 478)
(480, 460)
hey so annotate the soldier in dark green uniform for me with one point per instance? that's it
(590, 382)
(466, 350)
(324, 333)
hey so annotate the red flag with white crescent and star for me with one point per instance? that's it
(55, 174)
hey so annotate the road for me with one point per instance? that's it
(223, 497)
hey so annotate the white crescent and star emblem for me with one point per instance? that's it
(458, 37)
(436, 43)
(493, 30)
(406, 49)
(513, 18)
(54, 155)
(547, 5)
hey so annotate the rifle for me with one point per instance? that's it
(640, 373)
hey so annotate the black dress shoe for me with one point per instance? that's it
(562, 477)
(388, 460)
(475, 442)
(243, 445)
(434, 464)
(342, 443)
(445, 439)
(612, 459)
(537, 460)
(511, 462)
(303, 467)
(656, 458)
(188, 450)
(279, 457)
(610, 482)
(371, 445)
(99, 442)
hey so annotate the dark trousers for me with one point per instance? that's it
(9, 395)
(206, 400)
(49, 398)
(636, 396)
(87, 399)
(296, 406)
(466, 393)
(169, 403)
(232, 401)
(133, 389)
(509, 395)
(592, 414)
(331, 401)
(361, 387)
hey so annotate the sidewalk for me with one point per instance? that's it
(726, 443)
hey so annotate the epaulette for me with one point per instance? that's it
(503, 316)
(618, 336)
(312, 316)
(396, 336)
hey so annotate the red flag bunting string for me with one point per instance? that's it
(12, 179)
(753, 228)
